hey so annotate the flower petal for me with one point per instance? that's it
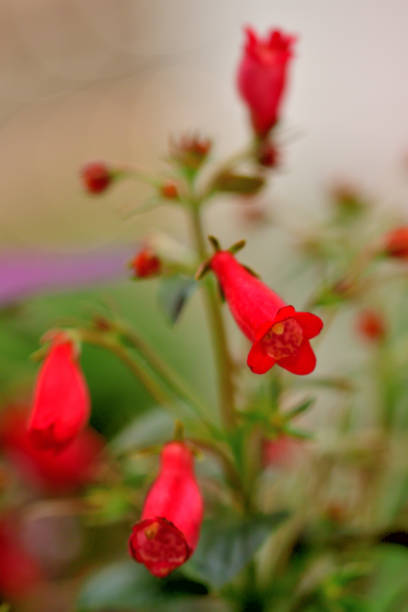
(310, 323)
(258, 361)
(302, 362)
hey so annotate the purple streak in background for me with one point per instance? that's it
(23, 273)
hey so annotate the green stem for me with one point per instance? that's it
(223, 361)
(104, 341)
(170, 377)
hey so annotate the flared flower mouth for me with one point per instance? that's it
(159, 545)
(285, 341)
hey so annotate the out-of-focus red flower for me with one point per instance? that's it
(278, 332)
(146, 263)
(281, 451)
(262, 75)
(169, 190)
(61, 399)
(168, 531)
(70, 469)
(396, 243)
(96, 177)
(371, 324)
(19, 571)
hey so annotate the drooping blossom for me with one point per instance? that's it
(42, 469)
(262, 76)
(146, 263)
(61, 400)
(371, 325)
(168, 531)
(396, 243)
(96, 177)
(279, 334)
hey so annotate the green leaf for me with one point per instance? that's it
(174, 293)
(300, 408)
(129, 586)
(238, 183)
(120, 586)
(227, 545)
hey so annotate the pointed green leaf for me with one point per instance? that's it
(174, 293)
(227, 545)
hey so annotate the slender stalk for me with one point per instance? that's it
(163, 369)
(223, 361)
(104, 341)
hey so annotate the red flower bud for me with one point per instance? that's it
(67, 471)
(279, 334)
(262, 76)
(96, 177)
(146, 263)
(281, 452)
(371, 325)
(61, 399)
(268, 155)
(169, 190)
(168, 531)
(396, 243)
(190, 151)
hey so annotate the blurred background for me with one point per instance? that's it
(112, 81)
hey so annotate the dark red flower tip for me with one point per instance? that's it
(396, 243)
(159, 545)
(371, 325)
(61, 399)
(168, 531)
(278, 332)
(262, 76)
(42, 469)
(146, 263)
(169, 190)
(96, 177)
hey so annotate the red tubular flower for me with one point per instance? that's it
(146, 263)
(96, 177)
(396, 243)
(70, 469)
(371, 325)
(279, 334)
(262, 76)
(168, 531)
(61, 399)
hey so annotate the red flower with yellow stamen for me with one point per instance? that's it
(168, 531)
(278, 332)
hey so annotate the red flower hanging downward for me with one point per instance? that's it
(278, 332)
(168, 531)
(262, 75)
(61, 399)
